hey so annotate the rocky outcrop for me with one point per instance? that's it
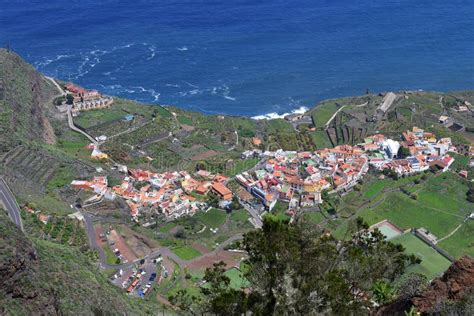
(445, 295)
(452, 286)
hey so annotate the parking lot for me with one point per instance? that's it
(139, 279)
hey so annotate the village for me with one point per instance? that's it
(298, 178)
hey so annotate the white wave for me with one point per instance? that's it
(152, 92)
(114, 87)
(190, 84)
(226, 92)
(172, 85)
(274, 115)
(140, 88)
(152, 49)
(182, 49)
(49, 61)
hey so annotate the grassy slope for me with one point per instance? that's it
(461, 243)
(440, 207)
(24, 114)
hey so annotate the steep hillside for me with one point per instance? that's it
(349, 120)
(25, 105)
(41, 277)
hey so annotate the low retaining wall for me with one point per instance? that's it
(442, 252)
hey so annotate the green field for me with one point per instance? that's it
(240, 166)
(75, 148)
(323, 112)
(62, 177)
(212, 218)
(377, 186)
(239, 216)
(167, 227)
(432, 265)
(314, 217)
(321, 139)
(462, 242)
(237, 281)
(87, 119)
(186, 252)
(279, 210)
(109, 255)
(406, 213)
(440, 207)
(185, 120)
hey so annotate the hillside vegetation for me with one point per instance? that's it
(42, 277)
(357, 117)
(24, 102)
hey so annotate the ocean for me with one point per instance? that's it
(251, 58)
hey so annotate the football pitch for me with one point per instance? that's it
(433, 263)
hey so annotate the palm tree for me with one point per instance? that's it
(382, 292)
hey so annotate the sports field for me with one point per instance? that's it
(387, 229)
(432, 265)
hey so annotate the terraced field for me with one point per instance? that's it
(30, 168)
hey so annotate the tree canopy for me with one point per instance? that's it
(302, 269)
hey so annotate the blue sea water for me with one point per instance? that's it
(245, 57)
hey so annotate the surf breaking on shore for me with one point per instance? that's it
(275, 115)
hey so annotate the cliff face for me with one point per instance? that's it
(451, 294)
(452, 286)
(26, 110)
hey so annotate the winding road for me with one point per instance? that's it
(69, 114)
(76, 129)
(9, 201)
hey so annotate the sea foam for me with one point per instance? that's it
(274, 115)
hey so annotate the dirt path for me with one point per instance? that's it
(333, 116)
(451, 233)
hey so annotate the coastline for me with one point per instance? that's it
(275, 115)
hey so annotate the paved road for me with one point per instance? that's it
(69, 113)
(10, 204)
(333, 116)
(257, 220)
(74, 128)
(56, 84)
